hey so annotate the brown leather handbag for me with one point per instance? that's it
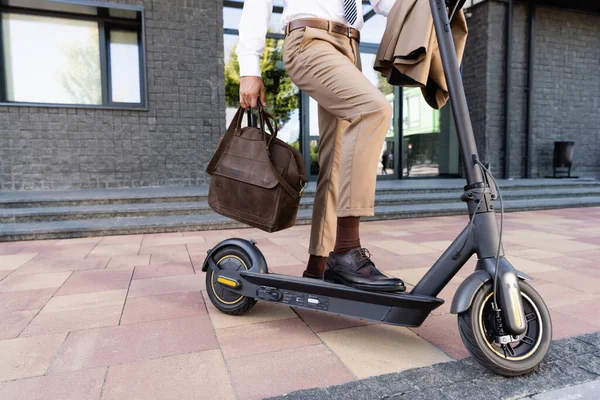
(256, 178)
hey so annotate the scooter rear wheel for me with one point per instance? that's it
(226, 301)
(477, 329)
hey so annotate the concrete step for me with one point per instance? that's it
(65, 198)
(154, 224)
(153, 209)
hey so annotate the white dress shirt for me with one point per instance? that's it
(257, 13)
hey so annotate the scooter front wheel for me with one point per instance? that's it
(235, 259)
(478, 329)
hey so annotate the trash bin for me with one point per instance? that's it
(563, 157)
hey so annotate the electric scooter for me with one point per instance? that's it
(503, 321)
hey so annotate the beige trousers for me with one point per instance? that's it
(354, 118)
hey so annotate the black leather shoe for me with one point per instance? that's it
(355, 268)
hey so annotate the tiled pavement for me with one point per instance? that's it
(127, 317)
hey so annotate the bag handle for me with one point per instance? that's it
(262, 114)
(236, 125)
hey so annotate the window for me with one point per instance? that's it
(54, 53)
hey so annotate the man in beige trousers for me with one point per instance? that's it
(322, 57)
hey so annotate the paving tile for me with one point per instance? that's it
(75, 252)
(402, 247)
(10, 248)
(592, 255)
(442, 331)
(530, 266)
(411, 276)
(398, 262)
(25, 300)
(537, 236)
(120, 240)
(160, 270)
(447, 294)
(79, 385)
(188, 376)
(267, 337)
(585, 310)
(564, 326)
(15, 283)
(95, 281)
(293, 270)
(73, 320)
(440, 245)
(152, 308)
(86, 301)
(555, 295)
(569, 262)
(261, 312)
(170, 241)
(35, 246)
(532, 254)
(114, 250)
(128, 261)
(199, 249)
(79, 241)
(575, 278)
(27, 357)
(172, 250)
(174, 258)
(566, 246)
(313, 367)
(50, 265)
(135, 342)
(4, 274)
(379, 349)
(14, 261)
(323, 322)
(421, 238)
(13, 322)
(166, 285)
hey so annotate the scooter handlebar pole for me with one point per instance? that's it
(458, 98)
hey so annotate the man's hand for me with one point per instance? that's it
(251, 89)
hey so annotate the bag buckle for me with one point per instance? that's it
(303, 188)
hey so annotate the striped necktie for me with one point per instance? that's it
(350, 11)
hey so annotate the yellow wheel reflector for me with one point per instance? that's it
(228, 282)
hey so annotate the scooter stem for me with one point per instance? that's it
(485, 233)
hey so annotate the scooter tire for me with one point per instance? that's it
(475, 334)
(224, 300)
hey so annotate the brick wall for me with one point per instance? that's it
(566, 86)
(168, 145)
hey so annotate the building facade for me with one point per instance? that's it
(162, 138)
(136, 93)
(554, 84)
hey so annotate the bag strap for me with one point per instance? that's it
(283, 182)
(236, 124)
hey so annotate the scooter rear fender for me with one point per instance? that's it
(259, 264)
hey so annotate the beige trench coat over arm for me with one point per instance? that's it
(409, 55)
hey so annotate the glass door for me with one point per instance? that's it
(429, 141)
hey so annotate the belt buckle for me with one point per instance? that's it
(350, 32)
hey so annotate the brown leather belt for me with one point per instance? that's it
(325, 25)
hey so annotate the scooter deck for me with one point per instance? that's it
(401, 308)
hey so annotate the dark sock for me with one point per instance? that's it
(316, 265)
(347, 237)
